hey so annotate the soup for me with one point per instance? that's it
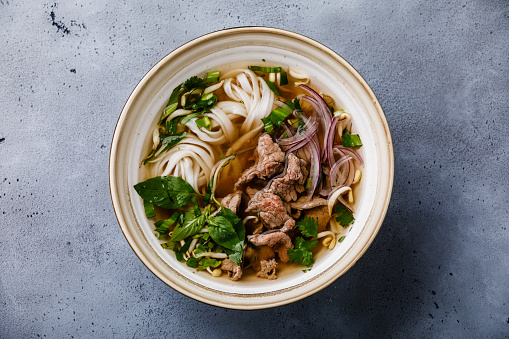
(250, 171)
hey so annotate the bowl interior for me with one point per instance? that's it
(223, 51)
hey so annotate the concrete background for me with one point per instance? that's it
(438, 268)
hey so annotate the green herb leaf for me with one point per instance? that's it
(208, 192)
(212, 77)
(188, 117)
(341, 239)
(206, 262)
(191, 226)
(237, 223)
(351, 140)
(265, 69)
(302, 252)
(150, 212)
(167, 142)
(268, 126)
(193, 83)
(192, 262)
(235, 256)
(284, 79)
(204, 122)
(272, 86)
(173, 103)
(163, 226)
(308, 227)
(343, 215)
(179, 253)
(168, 192)
(222, 232)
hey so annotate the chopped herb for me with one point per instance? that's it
(266, 69)
(341, 239)
(169, 192)
(308, 227)
(263, 60)
(166, 142)
(212, 77)
(272, 86)
(351, 140)
(193, 83)
(173, 103)
(150, 212)
(284, 79)
(277, 116)
(208, 192)
(204, 122)
(188, 117)
(343, 215)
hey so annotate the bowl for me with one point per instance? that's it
(227, 48)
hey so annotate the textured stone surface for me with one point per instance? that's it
(439, 267)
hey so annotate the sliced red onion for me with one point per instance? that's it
(324, 110)
(315, 170)
(329, 140)
(309, 129)
(335, 168)
(350, 152)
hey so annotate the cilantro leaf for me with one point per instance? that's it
(302, 252)
(343, 215)
(308, 227)
(193, 83)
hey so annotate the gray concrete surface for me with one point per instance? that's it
(440, 265)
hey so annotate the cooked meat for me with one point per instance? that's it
(303, 203)
(232, 201)
(272, 212)
(292, 183)
(234, 270)
(251, 192)
(263, 253)
(322, 214)
(268, 269)
(270, 162)
(279, 241)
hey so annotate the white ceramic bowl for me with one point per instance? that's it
(228, 48)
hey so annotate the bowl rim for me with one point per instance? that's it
(183, 48)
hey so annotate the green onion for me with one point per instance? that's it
(341, 239)
(188, 117)
(265, 69)
(277, 116)
(284, 79)
(204, 122)
(212, 77)
(272, 86)
(173, 103)
(149, 209)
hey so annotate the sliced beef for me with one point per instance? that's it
(272, 211)
(251, 192)
(322, 214)
(270, 162)
(280, 242)
(232, 201)
(268, 269)
(234, 270)
(303, 203)
(292, 183)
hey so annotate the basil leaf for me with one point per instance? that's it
(168, 192)
(235, 256)
(205, 262)
(191, 226)
(236, 222)
(222, 232)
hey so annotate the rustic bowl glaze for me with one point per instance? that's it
(226, 49)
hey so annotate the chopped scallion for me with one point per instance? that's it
(265, 69)
(204, 122)
(272, 86)
(212, 77)
(284, 79)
